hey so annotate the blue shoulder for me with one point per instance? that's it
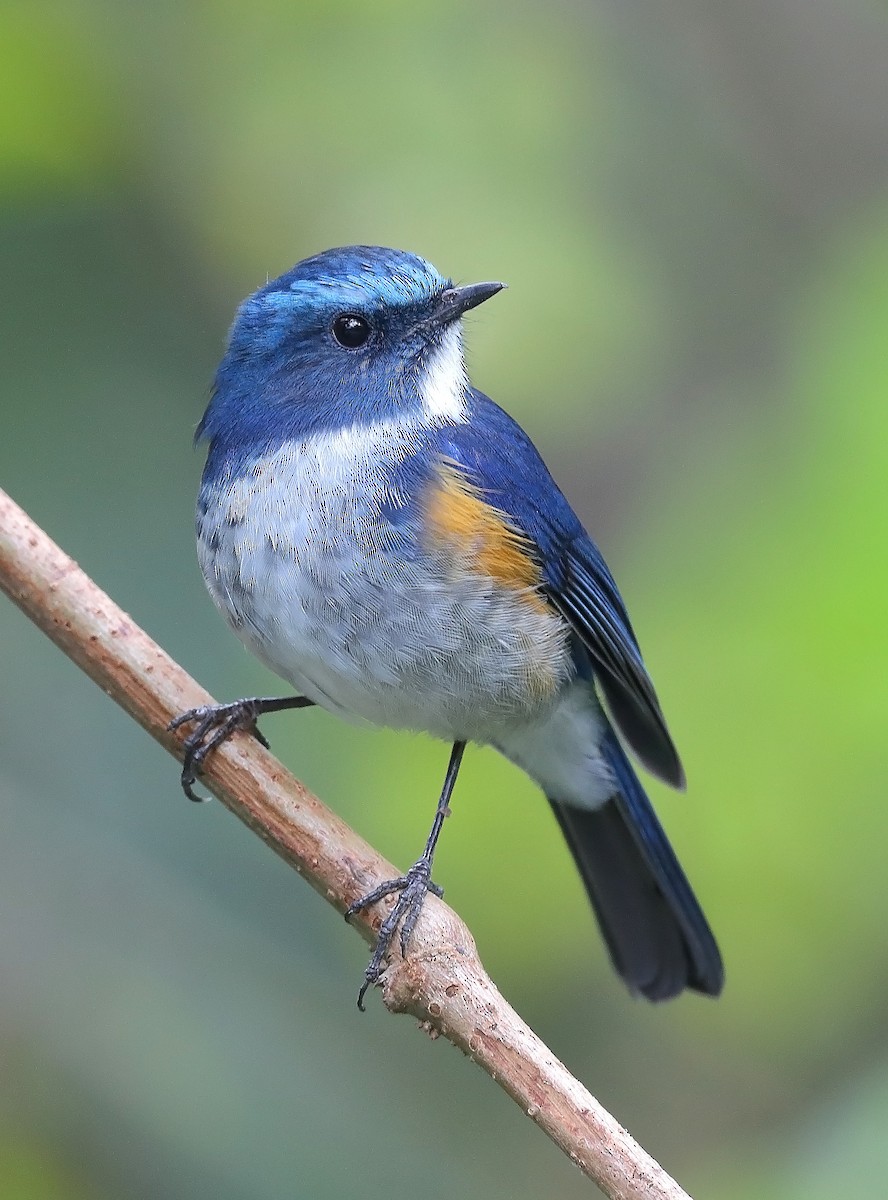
(502, 462)
(500, 459)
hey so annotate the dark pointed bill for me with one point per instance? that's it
(453, 302)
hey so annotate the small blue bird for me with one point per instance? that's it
(388, 540)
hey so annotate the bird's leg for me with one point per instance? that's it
(412, 886)
(217, 722)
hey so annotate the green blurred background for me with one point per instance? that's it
(690, 203)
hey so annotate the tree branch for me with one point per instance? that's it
(441, 981)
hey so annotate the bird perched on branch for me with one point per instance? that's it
(389, 541)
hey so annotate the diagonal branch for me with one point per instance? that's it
(442, 981)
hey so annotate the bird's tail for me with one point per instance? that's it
(658, 938)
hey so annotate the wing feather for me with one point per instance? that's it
(502, 463)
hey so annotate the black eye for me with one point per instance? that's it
(350, 330)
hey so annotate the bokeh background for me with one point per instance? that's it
(689, 202)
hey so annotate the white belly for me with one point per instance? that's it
(357, 615)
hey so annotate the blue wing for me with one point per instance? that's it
(500, 459)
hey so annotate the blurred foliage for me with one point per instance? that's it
(690, 206)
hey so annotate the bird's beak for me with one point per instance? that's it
(453, 302)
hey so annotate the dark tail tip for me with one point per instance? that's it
(659, 941)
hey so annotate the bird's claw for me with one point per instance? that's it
(215, 724)
(413, 888)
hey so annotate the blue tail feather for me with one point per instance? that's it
(657, 935)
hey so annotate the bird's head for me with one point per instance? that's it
(357, 333)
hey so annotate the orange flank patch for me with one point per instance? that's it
(479, 535)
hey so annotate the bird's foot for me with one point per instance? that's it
(413, 888)
(215, 724)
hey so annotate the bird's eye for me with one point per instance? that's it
(350, 330)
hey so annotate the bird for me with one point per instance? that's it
(389, 541)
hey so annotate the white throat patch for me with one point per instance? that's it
(444, 382)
